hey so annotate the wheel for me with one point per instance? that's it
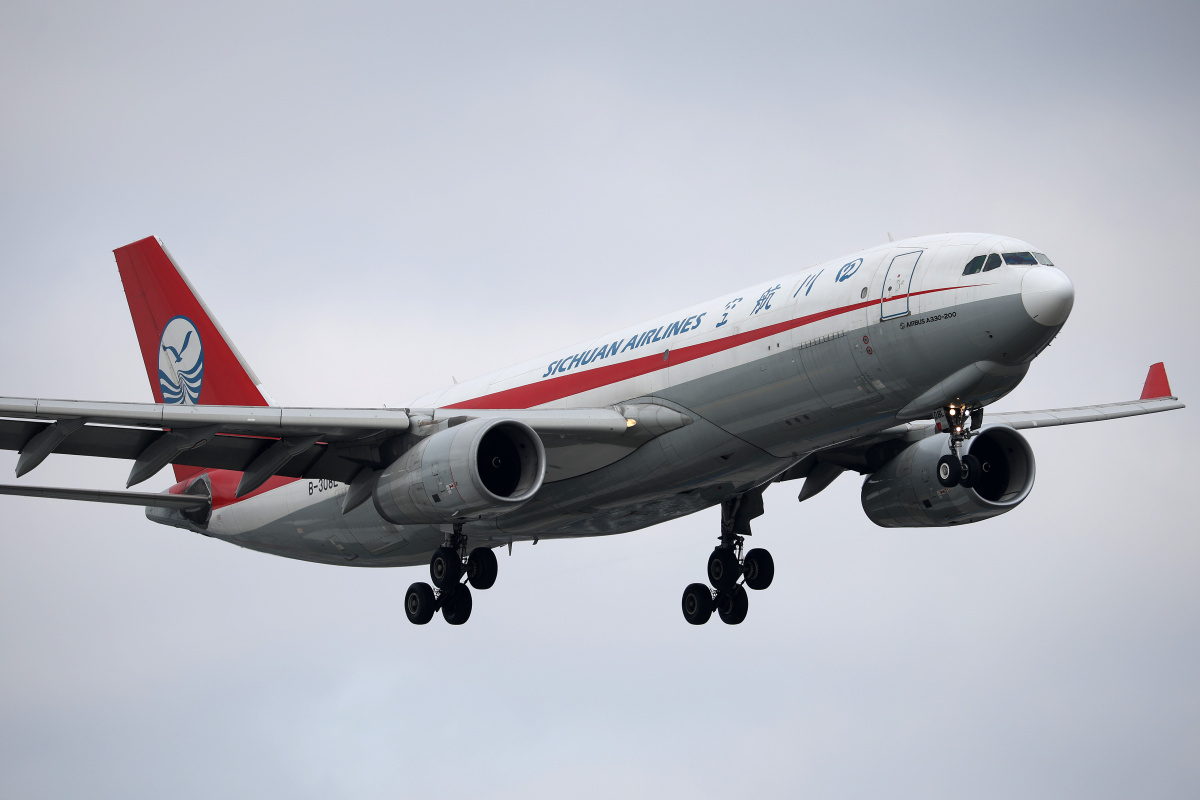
(972, 469)
(482, 568)
(419, 603)
(723, 568)
(445, 568)
(949, 471)
(697, 604)
(732, 605)
(759, 568)
(456, 607)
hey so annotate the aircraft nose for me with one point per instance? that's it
(1048, 295)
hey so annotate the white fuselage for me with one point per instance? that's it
(773, 372)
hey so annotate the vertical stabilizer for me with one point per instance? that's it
(189, 359)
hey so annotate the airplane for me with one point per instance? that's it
(881, 363)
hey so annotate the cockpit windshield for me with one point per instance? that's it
(991, 261)
(1020, 260)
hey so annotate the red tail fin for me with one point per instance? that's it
(188, 357)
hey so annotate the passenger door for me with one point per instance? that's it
(896, 283)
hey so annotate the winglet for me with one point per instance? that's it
(1156, 383)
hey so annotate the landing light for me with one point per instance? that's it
(629, 423)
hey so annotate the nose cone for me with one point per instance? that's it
(1048, 295)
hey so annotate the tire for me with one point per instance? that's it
(949, 471)
(445, 568)
(697, 604)
(456, 608)
(759, 568)
(482, 568)
(419, 603)
(723, 569)
(732, 606)
(972, 469)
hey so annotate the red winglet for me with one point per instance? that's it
(1156, 383)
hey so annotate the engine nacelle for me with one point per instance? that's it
(905, 492)
(481, 468)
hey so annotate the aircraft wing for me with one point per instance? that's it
(328, 443)
(1072, 416)
(1047, 418)
(868, 454)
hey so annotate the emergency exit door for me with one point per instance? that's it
(897, 282)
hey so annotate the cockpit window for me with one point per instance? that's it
(993, 261)
(974, 265)
(1042, 259)
(1020, 260)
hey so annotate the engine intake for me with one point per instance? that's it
(482, 468)
(905, 492)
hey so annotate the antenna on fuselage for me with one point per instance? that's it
(890, 239)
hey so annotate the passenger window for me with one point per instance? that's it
(1041, 259)
(1020, 260)
(974, 265)
(993, 261)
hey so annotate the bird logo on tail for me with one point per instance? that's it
(174, 352)
(180, 362)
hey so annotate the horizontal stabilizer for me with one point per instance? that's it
(180, 502)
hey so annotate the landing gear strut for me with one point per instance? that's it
(729, 570)
(448, 566)
(953, 470)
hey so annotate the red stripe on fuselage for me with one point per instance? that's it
(547, 391)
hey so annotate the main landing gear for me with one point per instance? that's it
(451, 570)
(727, 566)
(954, 470)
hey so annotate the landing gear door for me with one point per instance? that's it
(896, 283)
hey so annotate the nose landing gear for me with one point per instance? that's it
(953, 470)
(448, 565)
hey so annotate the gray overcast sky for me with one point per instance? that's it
(375, 198)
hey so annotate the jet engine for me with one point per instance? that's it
(905, 492)
(482, 468)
